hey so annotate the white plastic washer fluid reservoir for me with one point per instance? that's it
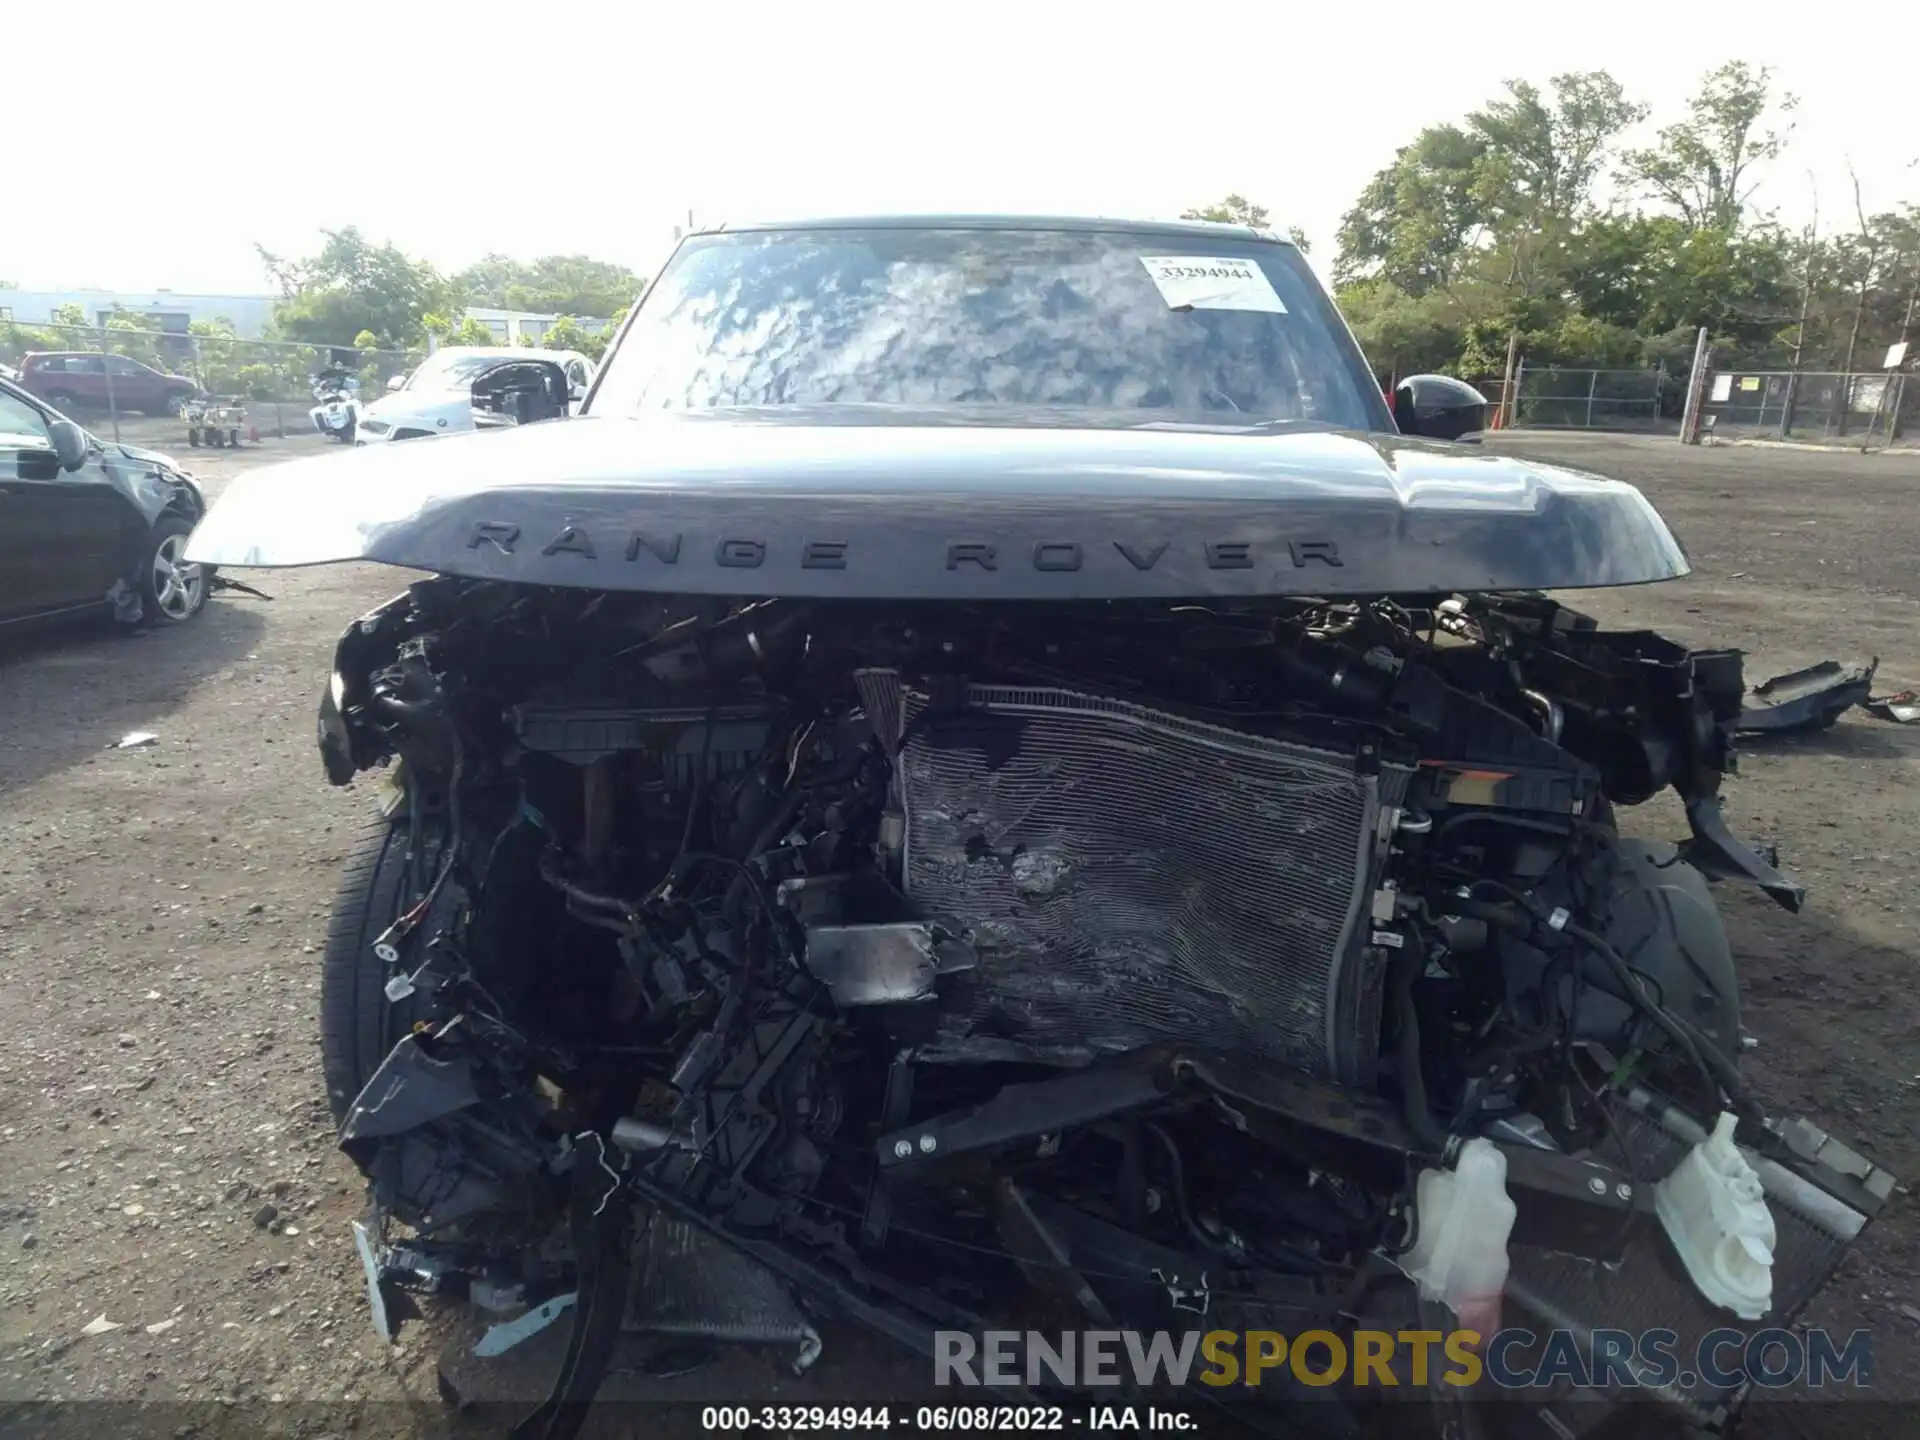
(1460, 1253)
(1716, 1215)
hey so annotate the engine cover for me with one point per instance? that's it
(1130, 877)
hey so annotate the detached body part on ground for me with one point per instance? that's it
(1106, 842)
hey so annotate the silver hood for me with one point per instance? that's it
(748, 504)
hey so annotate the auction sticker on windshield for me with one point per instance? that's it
(1206, 282)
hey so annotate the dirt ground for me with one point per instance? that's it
(166, 1160)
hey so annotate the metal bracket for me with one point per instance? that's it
(501, 1338)
(370, 1266)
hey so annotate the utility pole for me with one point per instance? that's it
(113, 401)
(1696, 391)
(1507, 381)
(1806, 305)
(1870, 252)
(1900, 381)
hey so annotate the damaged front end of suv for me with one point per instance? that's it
(938, 873)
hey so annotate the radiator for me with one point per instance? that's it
(1131, 877)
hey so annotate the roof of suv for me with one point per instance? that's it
(33, 355)
(1199, 228)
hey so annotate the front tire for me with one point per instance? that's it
(172, 591)
(358, 1024)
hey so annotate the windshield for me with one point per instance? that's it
(450, 372)
(1092, 325)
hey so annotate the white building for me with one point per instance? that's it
(511, 327)
(249, 315)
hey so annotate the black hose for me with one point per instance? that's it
(1722, 1076)
(1413, 1081)
(1714, 1067)
(1180, 1203)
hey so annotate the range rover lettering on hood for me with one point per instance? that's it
(725, 506)
(744, 553)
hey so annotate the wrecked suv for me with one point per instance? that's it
(988, 775)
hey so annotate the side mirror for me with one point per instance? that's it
(1439, 407)
(69, 444)
(395, 382)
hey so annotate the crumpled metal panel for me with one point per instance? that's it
(1131, 877)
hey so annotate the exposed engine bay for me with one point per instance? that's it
(934, 967)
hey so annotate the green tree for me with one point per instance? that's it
(133, 336)
(1488, 232)
(1512, 179)
(1702, 166)
(1238, 210)
(1417, 218)
(1540, 158)
(1404, 334)
(1234, 210)
(1655, 274)
(550, 285)
(350, 285)
(464, 331)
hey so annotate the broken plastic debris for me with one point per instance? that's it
(1809, 699)
(134, 739)
(100, 1325)
(1715, 1212)
(1902, 707)
(160, 1327)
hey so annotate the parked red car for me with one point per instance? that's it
(78, 379)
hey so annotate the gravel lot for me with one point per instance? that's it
(166, 1161)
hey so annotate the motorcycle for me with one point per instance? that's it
(337, 415)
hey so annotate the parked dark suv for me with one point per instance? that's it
(78, 379)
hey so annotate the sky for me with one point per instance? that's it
(586, 127)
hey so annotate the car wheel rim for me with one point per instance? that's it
(177, 585)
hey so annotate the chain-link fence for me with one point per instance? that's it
(1867, 409)
(1563, 398)
(105, 373)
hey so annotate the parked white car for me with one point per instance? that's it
(475, 387)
